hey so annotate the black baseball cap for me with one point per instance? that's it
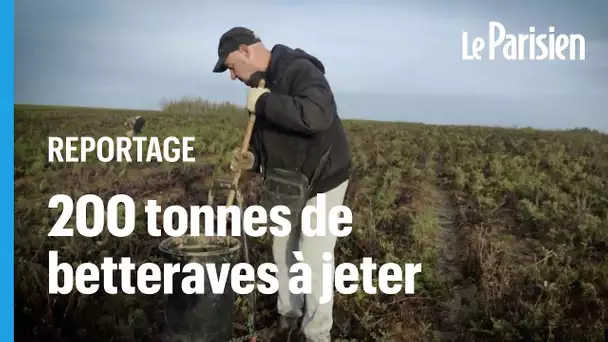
(230, 41)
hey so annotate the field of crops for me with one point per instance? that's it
(510, 225)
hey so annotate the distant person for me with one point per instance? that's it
(297, 133)
(135, 124)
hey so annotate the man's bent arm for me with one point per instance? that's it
(307, 112)
(257, 156)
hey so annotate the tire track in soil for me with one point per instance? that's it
(461, 290)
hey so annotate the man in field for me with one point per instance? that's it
(297, 133)
(135, 123)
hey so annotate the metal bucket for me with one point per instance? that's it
(199, 317)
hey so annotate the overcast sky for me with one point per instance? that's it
(393, 60)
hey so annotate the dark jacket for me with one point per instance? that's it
(298, 120)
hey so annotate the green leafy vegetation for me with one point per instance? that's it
(510, 225)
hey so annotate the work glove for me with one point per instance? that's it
(252, 97)
(240, 161)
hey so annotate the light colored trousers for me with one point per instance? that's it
(317, 319)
